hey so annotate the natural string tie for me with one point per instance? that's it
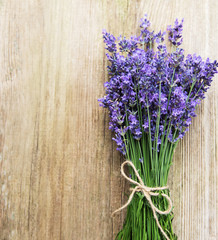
(148, 192)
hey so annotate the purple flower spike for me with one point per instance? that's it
(175, 33)
(109, 40)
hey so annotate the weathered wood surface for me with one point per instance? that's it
(59, 170)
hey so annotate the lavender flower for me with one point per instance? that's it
(175, 33)
(151, 92)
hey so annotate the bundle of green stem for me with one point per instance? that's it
(140, 223)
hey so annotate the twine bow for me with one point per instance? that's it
(148, 192)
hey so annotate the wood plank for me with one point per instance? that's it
(59, 169)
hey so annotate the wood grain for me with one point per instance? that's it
(59, 169)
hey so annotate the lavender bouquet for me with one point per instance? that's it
(151, 95)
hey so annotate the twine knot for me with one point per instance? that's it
(147, 192)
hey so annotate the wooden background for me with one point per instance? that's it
(59, 170)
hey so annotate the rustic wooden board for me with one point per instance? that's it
(59, 170)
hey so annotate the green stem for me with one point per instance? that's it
(140, 223)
